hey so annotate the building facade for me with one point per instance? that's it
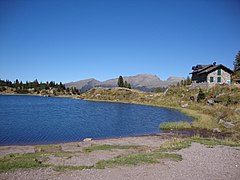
(211, 74)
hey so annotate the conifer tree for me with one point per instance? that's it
(189, 81)
(201, 95)
(125, 84)
(120, 82)
(236, 68)
(129, 86)
(236, 62)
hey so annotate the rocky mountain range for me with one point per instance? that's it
(145, 82)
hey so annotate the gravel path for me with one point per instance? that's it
(199, 162)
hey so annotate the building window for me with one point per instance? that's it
(219, 72)
(219, 80)
(211, 79)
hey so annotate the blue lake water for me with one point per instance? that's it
(44, 120)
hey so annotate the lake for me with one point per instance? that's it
(45, 120)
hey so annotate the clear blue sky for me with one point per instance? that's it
(67, 40)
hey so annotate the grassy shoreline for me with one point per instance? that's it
(184, 99)
(201, 120)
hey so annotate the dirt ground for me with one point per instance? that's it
(199, 162)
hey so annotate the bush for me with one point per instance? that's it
(201, 96)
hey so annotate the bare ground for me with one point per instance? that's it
(199, 162)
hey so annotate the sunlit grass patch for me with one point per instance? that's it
(181, 125)
(178, 144)
(215, 142)
(201, 120)
(175, 144)
(137, 159)
(22, 161)
(107, 147)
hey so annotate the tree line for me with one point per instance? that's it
(32, 84)
(21, 87)
(185, 82)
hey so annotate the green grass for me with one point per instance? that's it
(215, 142)
(178, 144)
(175, 125)
(107, 147)
(175, 144)
(137, 159)
(22, 161)
(200, 120)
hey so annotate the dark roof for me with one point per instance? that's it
(199, 68)
(202, 69)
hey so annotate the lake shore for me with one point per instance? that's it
(198, 160)
(202, 122)
(79, 160)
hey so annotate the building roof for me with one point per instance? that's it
(202, 69)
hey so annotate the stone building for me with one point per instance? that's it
(211, 74)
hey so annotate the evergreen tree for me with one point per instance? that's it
(201, 95)
(129, 86)
(188, 81)
(125, 84)
(120, 82)
(52, 84)
(35, 83)
(17, 82)
(236, 70)
(62, 86)
(182, 82)
(236, 62)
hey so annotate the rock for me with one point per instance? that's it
(184, 105)
(87, 139)
(219, 95)
(226, 124)
(210, 102)
(237, 110)
(221, 121)
(216, 130)
(195, 97)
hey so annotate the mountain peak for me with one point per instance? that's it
(174, 78)
(145, 82)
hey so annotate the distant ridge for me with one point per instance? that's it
(144, 82)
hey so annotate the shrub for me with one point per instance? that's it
(201, 96)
